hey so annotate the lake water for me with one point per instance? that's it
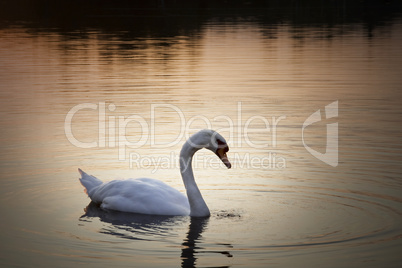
(118, 101)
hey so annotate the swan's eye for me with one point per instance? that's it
(223, 145)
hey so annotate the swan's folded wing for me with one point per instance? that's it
(147, 196)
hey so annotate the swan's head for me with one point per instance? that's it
(213, 141)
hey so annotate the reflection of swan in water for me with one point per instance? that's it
(150, 196)
(132, 225)
(153, 228)
(197, 226)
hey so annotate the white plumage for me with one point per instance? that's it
(143, 195)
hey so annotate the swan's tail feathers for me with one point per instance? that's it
(89, 182)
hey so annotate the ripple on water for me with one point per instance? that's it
(300, 216)
(223, 214)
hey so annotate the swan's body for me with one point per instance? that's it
(144, 195)
(150, 196)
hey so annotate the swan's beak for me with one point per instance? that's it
(222, 156)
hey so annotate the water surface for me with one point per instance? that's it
(278, 206)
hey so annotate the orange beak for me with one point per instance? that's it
(222, 156)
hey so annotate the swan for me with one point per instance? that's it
(151, 196)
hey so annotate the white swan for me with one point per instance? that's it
(150, 196)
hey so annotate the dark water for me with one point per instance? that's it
(295, 197)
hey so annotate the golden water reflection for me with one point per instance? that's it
(225, 74)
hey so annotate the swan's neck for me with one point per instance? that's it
(198, 207)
